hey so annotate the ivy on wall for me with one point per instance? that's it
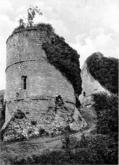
(59, 54)
(65, 59)
(104, 70)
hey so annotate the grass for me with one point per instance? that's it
(36, 150)
(29, 151)
(90, 150)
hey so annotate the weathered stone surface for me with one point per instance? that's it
(51, 123)
(25, 57)
(35, 97)
(78, 121)
(90, 86)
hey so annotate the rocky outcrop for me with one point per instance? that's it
(89, 87)
(99, 75)
(19, 128)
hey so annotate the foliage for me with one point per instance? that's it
(18, 29)
(2, 116)
(47, 158)
(41, 27)
(65, 59)
(68, 142)
(107, 114)
(104, 70)
(100, 149)
(44, 27)
(103, 147)
(96, 149)
(31, 12)
(59, 54)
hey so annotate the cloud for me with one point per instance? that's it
(5, 6)
(87, 25)
(99, 31)
(105, 43)
(6, 27)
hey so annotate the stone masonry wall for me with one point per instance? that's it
(51, 123)
(25, 57)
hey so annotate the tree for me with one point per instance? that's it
(31, 12)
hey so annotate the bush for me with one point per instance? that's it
(102, 148)
(106, 108)
(104, 70)
(41, 27)
(99, 149)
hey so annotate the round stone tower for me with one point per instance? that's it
(32, 83)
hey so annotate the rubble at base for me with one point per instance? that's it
(53, 124)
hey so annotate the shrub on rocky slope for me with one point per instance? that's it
(102, 147)
(104, 70)
(106, 108)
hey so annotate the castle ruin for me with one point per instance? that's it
(32, 81)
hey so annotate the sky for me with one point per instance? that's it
(87, 25)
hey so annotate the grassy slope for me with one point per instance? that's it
(31, 150)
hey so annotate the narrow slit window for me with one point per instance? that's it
(24, 82)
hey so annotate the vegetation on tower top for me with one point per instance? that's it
(59, 54)
(41, 27)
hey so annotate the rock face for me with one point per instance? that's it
(99, 76)
(53, 123)
(90, 86)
